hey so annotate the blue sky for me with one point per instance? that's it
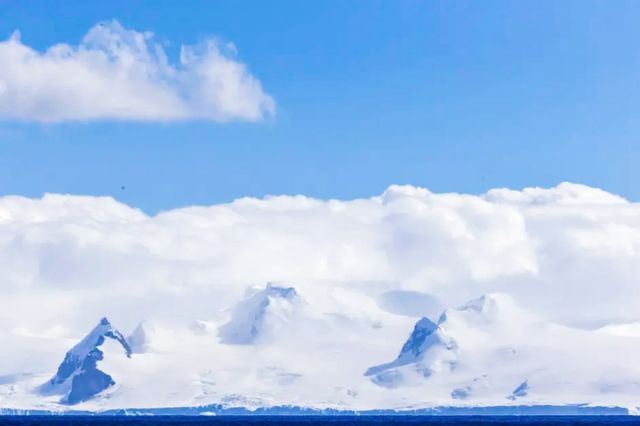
(450, 95)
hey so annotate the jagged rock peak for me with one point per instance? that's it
(278, 291)
(78, 377)
(425, 335)
(413, 346)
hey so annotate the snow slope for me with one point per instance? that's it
(491, 348)
(490, 351)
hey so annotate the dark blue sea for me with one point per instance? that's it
(315, 420)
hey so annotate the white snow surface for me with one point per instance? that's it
(266, 312)
(525, 297)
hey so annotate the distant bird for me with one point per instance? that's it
(122, 187)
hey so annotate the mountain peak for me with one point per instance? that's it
(259, 312)
(421, 331)
(273, 290)
(489, 301)
(425, 335)
(490, 307)
(78, 377)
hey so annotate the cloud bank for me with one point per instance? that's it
(571, 253)
(559, 269)
(121, 74)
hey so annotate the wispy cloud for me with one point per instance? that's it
(121, 74)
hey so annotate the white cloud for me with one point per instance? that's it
(364, 269)
(121, 74)
(547, 247)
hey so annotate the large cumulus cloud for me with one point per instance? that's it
(570, 252)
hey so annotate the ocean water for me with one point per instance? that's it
(315, 420)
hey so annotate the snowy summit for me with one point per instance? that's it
(78, 377)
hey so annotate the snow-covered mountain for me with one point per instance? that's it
(335, 350)
(426, 349)
(559, 323)
(262, 312)
(492, 327)
(78, 377)
(491, 348)
(489, 321)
